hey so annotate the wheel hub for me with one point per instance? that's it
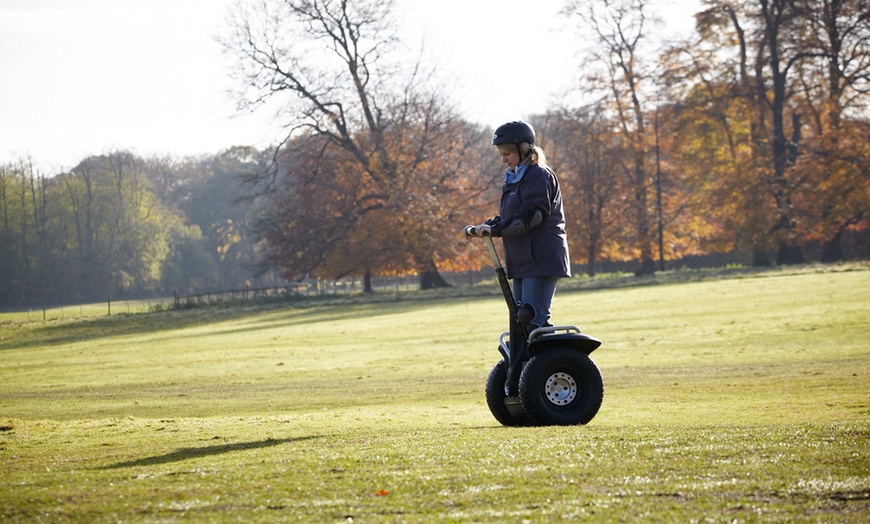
(560, 389)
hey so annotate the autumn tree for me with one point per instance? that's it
(837, 165)
(833, 87)
(326, 218)
(774, 76)
(581, 148)
(320, 221)
(766, 43)
(326, 66)
(619, 27)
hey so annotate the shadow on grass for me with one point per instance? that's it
(338, 308)
(192, 453)
(92, 329)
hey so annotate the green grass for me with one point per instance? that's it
(744, 397)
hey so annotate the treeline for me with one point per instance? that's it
(749, 138)
(120, 225)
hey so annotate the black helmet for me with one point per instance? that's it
(513, 133)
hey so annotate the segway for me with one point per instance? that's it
(545, 377)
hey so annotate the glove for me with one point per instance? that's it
(483, 230)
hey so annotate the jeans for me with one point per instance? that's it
(537, 292)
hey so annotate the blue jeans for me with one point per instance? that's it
(537, 292)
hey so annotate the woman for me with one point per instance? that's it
(531, 222)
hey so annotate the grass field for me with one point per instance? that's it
(739, 399)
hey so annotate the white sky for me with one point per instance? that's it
(83, 77)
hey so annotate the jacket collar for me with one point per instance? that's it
(512, 176)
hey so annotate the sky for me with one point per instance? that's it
(85, 77)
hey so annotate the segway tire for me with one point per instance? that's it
(495, 397)
(561, 387)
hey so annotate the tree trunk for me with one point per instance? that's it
(789, 254)
(760, 258)
(832, 250)
(367, 282)
(647, 264)
(647, 267)
(590, 262)
(430, 278)
(660, 214)
(783, 150)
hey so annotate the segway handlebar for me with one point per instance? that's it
(471, 231)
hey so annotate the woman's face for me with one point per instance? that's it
(509, 156)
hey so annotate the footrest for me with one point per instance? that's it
(515, 406)
(550, 330)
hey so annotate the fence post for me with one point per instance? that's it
(109, 301)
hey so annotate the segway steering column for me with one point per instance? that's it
(514, 351)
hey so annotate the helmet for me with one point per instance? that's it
(513, 133)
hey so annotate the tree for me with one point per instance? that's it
(781, 59)
(581, 150)
(619, 26)
(189, 266)
(713, 126)
(212, 195)
(218, 201)
(19, 257)
(314, 224)
(739, 74)
(834, 79)
(837, 166)
(325, 65)
(119, 237)
(777, 26)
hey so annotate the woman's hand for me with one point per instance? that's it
(483, 230)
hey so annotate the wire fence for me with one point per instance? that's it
(76, 311)
(311, 288)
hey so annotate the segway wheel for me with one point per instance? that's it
(495, 398)
(561, 387)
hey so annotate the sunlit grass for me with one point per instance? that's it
(741, 399)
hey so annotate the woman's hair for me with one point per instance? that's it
(529, 154)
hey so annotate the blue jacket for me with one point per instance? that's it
(533, 249)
